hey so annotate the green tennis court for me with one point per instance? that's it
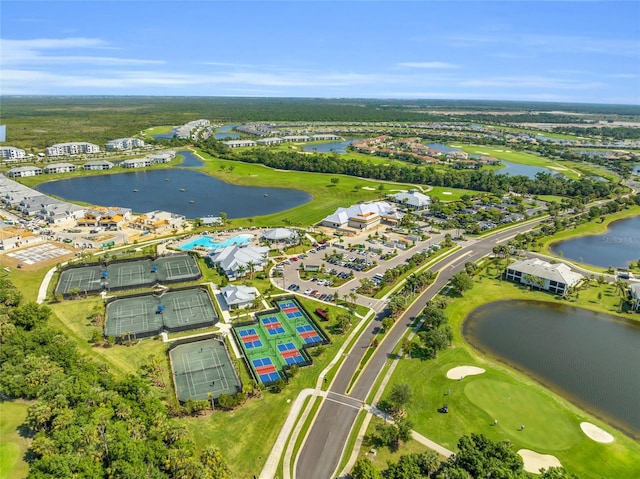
(143, 316)
(129, 274)
(201, 368)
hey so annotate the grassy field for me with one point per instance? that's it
(552, 423)
(504, 153)
(13, 446)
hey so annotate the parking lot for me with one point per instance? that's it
(346, 264)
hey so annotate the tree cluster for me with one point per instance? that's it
(477, 457)
(86, 422)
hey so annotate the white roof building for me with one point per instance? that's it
(97, 165)
(239, 296)
(124, 144)
(239, 143)
(413, 199)
(59, 168)
(296, 138)
(72, 148)
(279, 234)
(136, 163)
(11, 152)
(555, 278)
(362, 216)
(237, 261)
(22, 171)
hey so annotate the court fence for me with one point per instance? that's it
(164, 326)
(307, 361)
(158, 277)
(211, 336)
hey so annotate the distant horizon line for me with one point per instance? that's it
(393, 99)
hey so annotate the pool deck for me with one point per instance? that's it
(215, 239)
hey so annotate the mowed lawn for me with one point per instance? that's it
(552, 423)
(504, 153)
(13, 446)
(326, 196)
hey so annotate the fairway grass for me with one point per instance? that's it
(510, 403)
(13, 446)
(552, 423)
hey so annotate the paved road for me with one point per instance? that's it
(324, 445)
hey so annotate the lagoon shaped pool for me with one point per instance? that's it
(207, 242)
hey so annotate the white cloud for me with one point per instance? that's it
(41, 51)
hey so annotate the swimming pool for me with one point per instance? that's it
(208, 243)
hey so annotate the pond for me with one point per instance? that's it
(636, 169)
(166, 136)
(182, 191)
(224, 132)
(617, 247)
(189, 159)
(590, 358)
(339, 147)
(515, 169)
(510, 168)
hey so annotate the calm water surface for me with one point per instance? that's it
(190, 160)
(592, 359)
(510, 168)
(617, 247)
(161, 190)
(339, 147)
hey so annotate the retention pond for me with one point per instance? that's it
(590, 358)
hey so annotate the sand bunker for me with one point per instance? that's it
(594, 432)
(447, 193)
(462, 371)
(533, 461)
(368, 188)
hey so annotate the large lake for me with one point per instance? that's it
(592, 359)
(617, 247)
(203, 195)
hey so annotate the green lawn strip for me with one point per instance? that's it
(303, 433)
(476, 401)
(71, 318)
(384, 456)
(593, 227)
(28, 282)
(245, 436)
(13, 445)
(156, 130)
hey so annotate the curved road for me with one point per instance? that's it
(323, 447)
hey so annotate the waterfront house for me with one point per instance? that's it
(23, 171)
(97, 165)
(59, 168)
(555, 278)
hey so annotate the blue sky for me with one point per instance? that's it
(577, 51)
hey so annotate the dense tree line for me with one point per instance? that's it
(39, 121)
(84, 421)
(477, 457)
(478, 180)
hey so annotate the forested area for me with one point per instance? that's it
(477, 457)
(39, 121)
(479, 180)
(84, 421)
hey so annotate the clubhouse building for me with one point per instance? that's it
(555, 278)
(362, 216)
